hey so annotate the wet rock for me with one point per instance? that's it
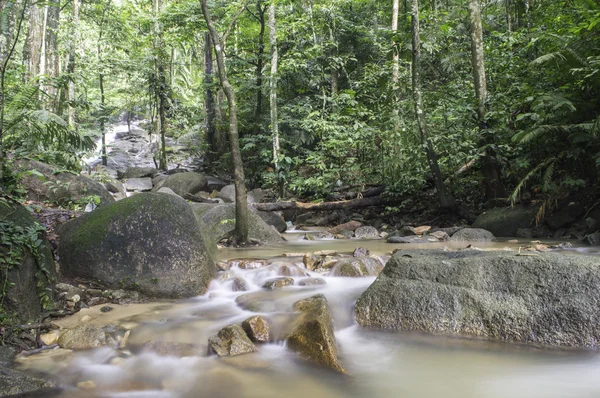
(287, 269)
(223, 265)
(505, 221)
(173, 349)
(274, 219)
(231, 341)
(218, 220)
(257, 329)
(311, 261)
(361, 252)
(323, 253)
(183, 183)
(440, 235)
(137, 172)
(59, 187)
(238, 284)
(50, 338)
(344, 234)
(356, 267)
(366, 232)
(473, 235)
(84, 337)
(312, 335)
(542, 299)
(14, 382)
(278, 283)
(69, 290)
(349, 226)
(408, 239)
(312, 282)
(449, 230)
(24, 281)
(247, 263)
(150, 242)
(255, 302)
(106, 308)
(323, 236)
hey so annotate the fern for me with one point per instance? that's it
(515, 194)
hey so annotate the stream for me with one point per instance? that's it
(381, 364)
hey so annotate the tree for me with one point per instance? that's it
(241, 204)
(273, 96)
(446, 200)
(491, 170)
(71, 63)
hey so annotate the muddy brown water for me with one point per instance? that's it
(382, 364)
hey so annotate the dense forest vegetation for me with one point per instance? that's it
(497, 98)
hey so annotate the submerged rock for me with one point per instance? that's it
(230, 341)
(409, 239)
(356, 267)
(278, 283)
(312, 282)
(84, 337)
(257, 329)
(173, 349)
(541, 298)
(149, 242)
(312, 335)
(14, 382)
(472, 235)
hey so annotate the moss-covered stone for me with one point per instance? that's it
(218, 220)
(312, 335)
(231, 341)
(149, 242)
(84, 337)
(356, 267)
(544, 299)
(505, 221)
(27, 280)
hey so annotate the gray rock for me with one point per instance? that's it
(70, 290)
(406, 230)
(218, 220)
(168, 191)
(366, 232)
(115, 186)
(60, 187)
(312, 282)
(84, 337)
(138, 184)
(278, 283)
(231, 341)
(360, 252)
(150, 242)
(547, 299)
(407, 239)
(14, 382)
(25, 281)
(183, 183)
(137, 172)
(273, 219)
(356, 267)
(173, 349)
(312, 335)
(506, 221)
(440, 235)
(215, 184)
(473, 235)
(227, 194)
(303, 218)
(239, 284)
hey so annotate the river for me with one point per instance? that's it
(381, 364)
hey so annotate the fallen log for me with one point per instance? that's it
(375, 191)
(342, 204)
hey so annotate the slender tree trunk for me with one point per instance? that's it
(33, 43)
(259, 66)
(209, 101)
(334, 68)
(508, 16)
(52, 55)
(395, 66)
(241, 204)
(446, 200)
(103, 119)
(71, 64)
(491, 171)
(273, 97)
(161, 86)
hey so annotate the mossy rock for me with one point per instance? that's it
(218, 220)
(505, 221)
(60, 187)
(26, 280)
(356, 267)
(149, 242)
(547, 299)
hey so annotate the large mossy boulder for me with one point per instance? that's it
(356, 267)
(29, 279)
(505, 221)
(548, 299)
(218, 221)
(43, 183)
(184, 183)
(149, 242)
(312, 335)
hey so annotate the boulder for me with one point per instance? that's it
(312, 335)
(257, 329)
(84, 337)
(349, 226)
(32, 275)
(565, 216)
(168, 191)
(473, 235)
(227, 193)
(312, 282)
(61, 187)
(356, 267)
(366, 232)
(440, 235)
(137, 172)
(115, 186)
(215, 184)
(273, 219)
(183, 183)
(231, 341)
(218, 221)
(149, 242)
(505, 221)
(278, 283)
(303, 218)
(592, 239)
(15, 382)
(547, 299)
(138, 184)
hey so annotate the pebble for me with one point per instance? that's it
(86, 385)
(85, 318)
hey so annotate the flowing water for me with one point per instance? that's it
(380, 364)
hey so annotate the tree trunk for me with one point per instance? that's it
(241, 204)
(209, 102)
(259, 66)
(52, 55)
(33, 43)
(160, 86)
(491, 171)
(446, 200)
(395, 66)
(273, 97)
(71, 65)
(508, 16)
(102, 119)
